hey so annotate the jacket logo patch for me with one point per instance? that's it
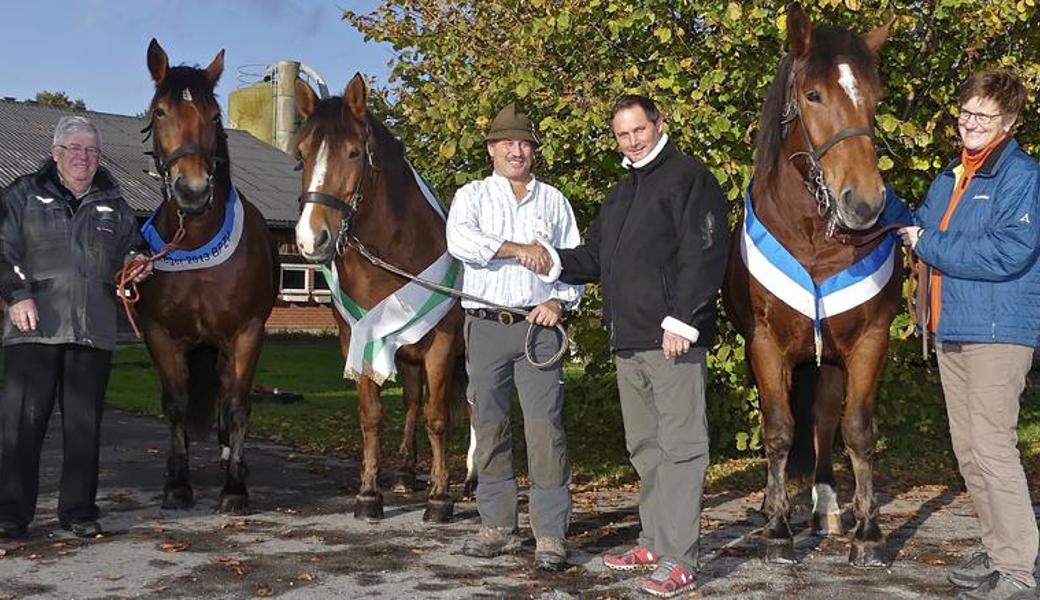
(104, 209)
(1024, 219)
(981, 197)
(45, 200)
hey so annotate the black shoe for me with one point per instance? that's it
(1000, 586)
(83, 529)
(9, 530)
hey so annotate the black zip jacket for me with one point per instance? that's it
(64, 254)
(658, 246)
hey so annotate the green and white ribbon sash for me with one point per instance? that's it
(400, 319)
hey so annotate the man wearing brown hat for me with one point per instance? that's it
(490, 229)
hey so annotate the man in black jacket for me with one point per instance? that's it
(65, 231)
(658, 247)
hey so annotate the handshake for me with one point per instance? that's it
(532, 256)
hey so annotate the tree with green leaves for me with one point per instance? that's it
(707, 63)
(59, 100)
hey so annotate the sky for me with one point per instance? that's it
(96, 49)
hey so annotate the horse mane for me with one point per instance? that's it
(830, 45)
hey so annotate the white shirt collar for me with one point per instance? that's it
(509, 184)
(649, 157)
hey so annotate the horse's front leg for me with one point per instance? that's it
(440, 370)
(237, 367)
(773, 376)
(172, 365)
(859, 428)
(412, 376)
(369, 503)
(826, 513)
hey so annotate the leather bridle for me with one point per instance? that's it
(815, 180)
(348, 208)
(163, 163)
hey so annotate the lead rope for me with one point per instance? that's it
(126, 287)
(355, 243)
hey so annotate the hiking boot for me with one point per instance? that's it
(492, 541)
(669, 579)
(972, 573)
(1000, 586)
(83, 529)
(549, 554)
(635, 559)
(9, 530)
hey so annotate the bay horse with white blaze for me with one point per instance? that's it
(360, 189)
(204, 327)
(815, 312)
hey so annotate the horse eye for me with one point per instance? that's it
(159, 113)
(354, 153)
(813, 96)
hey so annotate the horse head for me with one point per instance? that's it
(185, 128)
(828, 90)
(335, 147)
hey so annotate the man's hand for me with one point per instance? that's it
(546, 314)
(910, 236)
(674, 345)
(138, 267)
(534, 257)
(24, 315)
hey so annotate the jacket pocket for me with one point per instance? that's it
(666, 287)
(102, 243)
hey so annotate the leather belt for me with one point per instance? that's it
(505, 317)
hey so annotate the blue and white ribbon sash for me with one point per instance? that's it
(212, 253)
(401, 318)
(779, 271)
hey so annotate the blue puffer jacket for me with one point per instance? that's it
(988, 253)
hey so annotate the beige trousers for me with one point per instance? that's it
(982, 384)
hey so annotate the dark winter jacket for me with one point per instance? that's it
(64, 254)
(658, 246)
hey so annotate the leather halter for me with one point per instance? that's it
(349, 207)
(815, 180)
(163, 163)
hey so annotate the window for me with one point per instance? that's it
(303, 283)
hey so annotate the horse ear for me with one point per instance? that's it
(799, 30)
(158, 62)
(306, 99)
(355, 96)
(215, 68)
(876, 38)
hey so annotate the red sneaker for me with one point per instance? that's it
(669, 579)
(636, 559)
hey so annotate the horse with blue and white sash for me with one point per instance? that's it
(815, 312)
(362, 199)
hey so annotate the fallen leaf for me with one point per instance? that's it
(174, 546)
(473, 582)
(262, 589)
(3, 553)
(35, 556)
(305, 576)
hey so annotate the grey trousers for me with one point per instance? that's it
(666, 433)
(495, 362)
(982, 384)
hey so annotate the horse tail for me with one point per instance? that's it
(801, 460)
(203, 389)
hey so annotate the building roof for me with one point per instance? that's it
(264, 174)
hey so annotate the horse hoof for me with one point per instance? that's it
(405, 483)
(827, 525)
(178, 498)
(439, 510)
(233, 503)
(369, 507)
(868, 555)
(469, 491)
(779, 552)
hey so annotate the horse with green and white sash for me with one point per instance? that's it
(361, 196)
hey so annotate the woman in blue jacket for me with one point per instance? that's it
(978, 232)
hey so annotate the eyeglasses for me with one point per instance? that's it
(89, 151)
(983, 119)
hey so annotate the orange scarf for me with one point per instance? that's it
(970, 164)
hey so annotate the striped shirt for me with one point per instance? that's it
(486, 213)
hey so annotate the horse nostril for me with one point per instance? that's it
(857, 205)
(321, 239)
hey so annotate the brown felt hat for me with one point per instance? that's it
(509, 124)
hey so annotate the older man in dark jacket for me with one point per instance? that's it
(65, 232)
(658, 247)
